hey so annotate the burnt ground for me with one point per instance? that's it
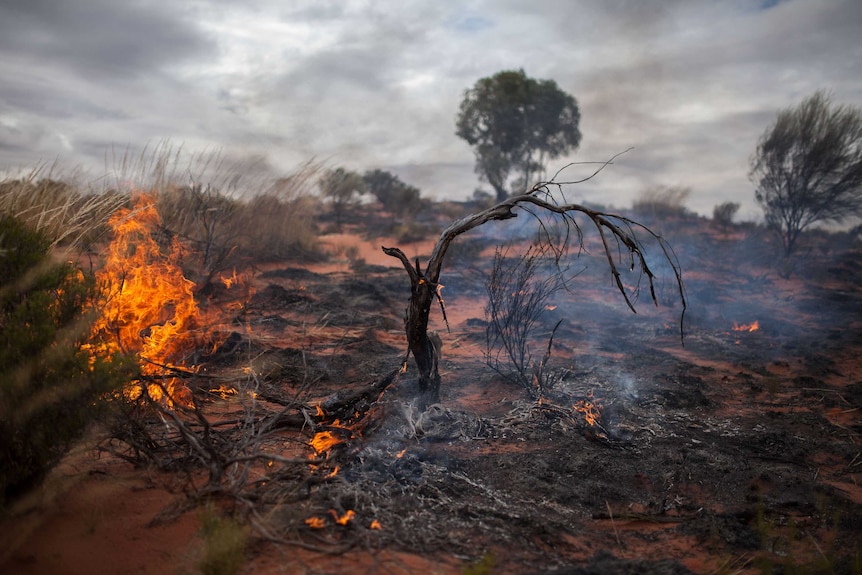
(738, 452)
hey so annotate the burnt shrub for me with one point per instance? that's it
(50, 387)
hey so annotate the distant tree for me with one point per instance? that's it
(808, 167)
(722, 214)
(342, 187)
(390, 191)
(514, 124)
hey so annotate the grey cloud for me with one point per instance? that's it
(99, 38)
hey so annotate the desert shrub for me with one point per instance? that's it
(276, 227)
(722, 214)
(224, 544)
(519, 289)
(410, 232)
(662, 202)
(50, 387)
(206, 220)
(58, 208)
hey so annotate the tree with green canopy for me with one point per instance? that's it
(342, 188)
(515, 124)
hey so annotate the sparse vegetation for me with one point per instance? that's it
(808, 168)
(662, 202)
(723, 214)
(224, 543)
(519, 289)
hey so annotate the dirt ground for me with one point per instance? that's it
(737, 452)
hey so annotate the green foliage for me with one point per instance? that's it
(484, 566)
(225, 543)
(514, 124)
(402, 199)
(342, 188)
(50, 388)
(808, 167)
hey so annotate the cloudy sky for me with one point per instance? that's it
(690, 84)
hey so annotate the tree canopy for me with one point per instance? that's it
(515, 124)
(341, 187)
(808, 167)
(401, 198)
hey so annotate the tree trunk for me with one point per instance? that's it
(425, 352)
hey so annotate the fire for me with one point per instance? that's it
(344, 519)
(375, 524)
(315, 522)
(147, 307)
(231, 281)
(746, 326)
(324, 441)
(590, 409)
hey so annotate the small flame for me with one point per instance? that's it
(590, 409)
(375, 525)
(315, 522)
(344, 519)
(324, 441)
(746, 326)
(230, 281)
(333, 473)
(224, 391)
(401, 453)
(320, 412)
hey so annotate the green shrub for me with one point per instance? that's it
(50, 387)
(224, 544)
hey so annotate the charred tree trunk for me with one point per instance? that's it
(423, 291)
(620, 242)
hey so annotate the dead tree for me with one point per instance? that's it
(618, 237)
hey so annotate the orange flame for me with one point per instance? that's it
(375, 524)
(148, 307)
(324, 441)
(315, 522)
(590, 409)
(231, 281)
(746, 326)
(344, 519)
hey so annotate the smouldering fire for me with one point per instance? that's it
(754, 326)
(343, 519)
(148, 308)
(590, 409)
(315, 522)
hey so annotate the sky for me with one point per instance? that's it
(689, 85)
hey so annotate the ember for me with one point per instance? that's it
(590, 408)
(324, 441)
(343, 519)
(746, 326)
